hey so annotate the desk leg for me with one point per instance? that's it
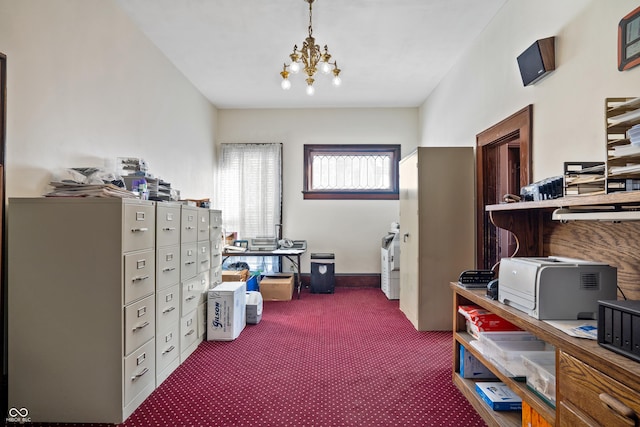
(296, 272)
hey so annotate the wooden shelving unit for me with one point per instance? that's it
(620, 115)
(616, 243)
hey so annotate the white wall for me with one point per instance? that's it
(85, 86)
(568, 105)
(352, 229)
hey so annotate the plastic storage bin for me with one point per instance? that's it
(507, 348)
(323, 276)
(541, 374)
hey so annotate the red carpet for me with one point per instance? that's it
(346, 359)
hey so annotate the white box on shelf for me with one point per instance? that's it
(506, 348)
(498, 396)
(471, 367)
(541, 374)
(226, 311)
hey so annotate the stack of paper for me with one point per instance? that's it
(68, 189)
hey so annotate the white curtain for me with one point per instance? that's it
(250, 179)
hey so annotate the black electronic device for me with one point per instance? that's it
(619, 327)
(537, 60)
(492, 289)
(475, 279)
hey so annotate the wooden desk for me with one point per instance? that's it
(293, 255)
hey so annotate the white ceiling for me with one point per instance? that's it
(392, 53)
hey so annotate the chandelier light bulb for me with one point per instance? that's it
(294, 67)
(310, 90)
(337, 81)
(325, 68)
(286, 84)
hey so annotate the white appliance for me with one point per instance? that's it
(390, 257)
(556, 288)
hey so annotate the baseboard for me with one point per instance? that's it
(350, 280)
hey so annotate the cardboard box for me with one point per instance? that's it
(471, 367)
(498, 396)
(277, 288)
(235, 275)
(226, 311)
(254, 307)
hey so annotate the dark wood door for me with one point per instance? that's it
(503, 167)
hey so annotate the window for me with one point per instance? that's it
(251, 196)
(351, 171)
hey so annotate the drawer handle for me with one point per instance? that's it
(168, 228)
(189, 333)
(169, 350)
(140, 278)
(144, 325)
(139, 230)
(618, 407)
(189, 228)
(136, 376)
(168, 310)
(190, 298)
(189, 262)
(168, 269)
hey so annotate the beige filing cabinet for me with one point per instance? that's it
(217, 245)
(437, 229)
(215, 242)
(167, 289)
(194, 275)
(81, 307)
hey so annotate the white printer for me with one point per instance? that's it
(556, 288)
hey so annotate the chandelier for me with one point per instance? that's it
(309, 58)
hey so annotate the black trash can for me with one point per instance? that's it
(323, 275)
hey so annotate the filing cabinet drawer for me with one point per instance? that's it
(139, 323)
(204, 256)
(168, 263)
(167, 225)
(188, 260)
(216, 277)
(188, 330)
(189, 224)
(167, 306)
(594, 396)
(203, 224)
(191, 295)
(139, 275)
(215, 218)
(139, 371)
(204, 283)
(216, 259)
(138, 231)
(167, 346)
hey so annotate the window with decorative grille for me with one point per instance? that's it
(351, 171)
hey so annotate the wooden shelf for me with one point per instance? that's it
(537, 234)
(491, 417)
(464, 296)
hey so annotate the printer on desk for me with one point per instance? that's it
(556, 288)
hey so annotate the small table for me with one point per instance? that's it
(293, 255)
